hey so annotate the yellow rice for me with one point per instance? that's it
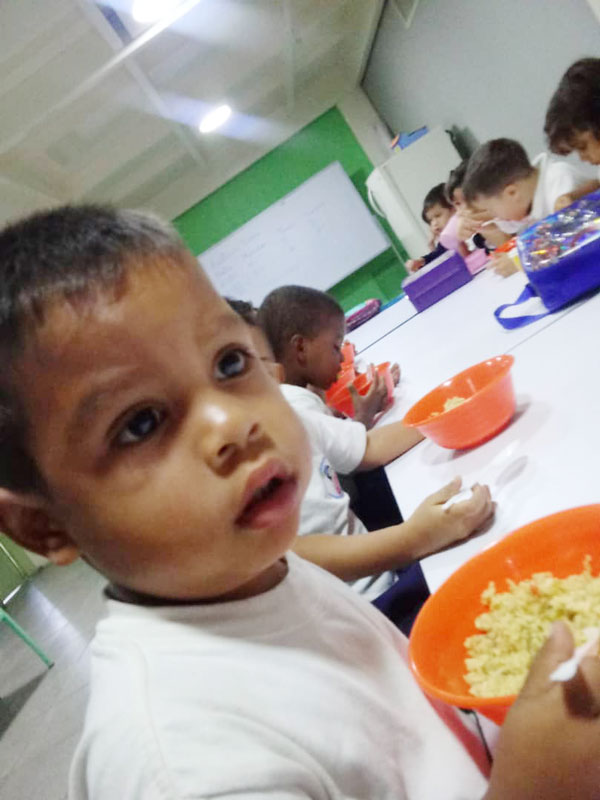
(518, 623)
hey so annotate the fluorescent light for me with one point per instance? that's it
(151, 10)
(214, 119)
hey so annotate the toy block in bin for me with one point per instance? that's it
(437, 280)
(338, 396)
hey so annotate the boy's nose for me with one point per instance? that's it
(228, 430)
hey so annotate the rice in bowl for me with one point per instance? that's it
(518, 623)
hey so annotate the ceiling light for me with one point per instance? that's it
(151, 10)
(214, 119)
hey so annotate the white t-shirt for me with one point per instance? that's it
(301, 692)
(337, 446)
(555, 178)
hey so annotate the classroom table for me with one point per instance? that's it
(545, 459)
(452, 335)
(381, 324)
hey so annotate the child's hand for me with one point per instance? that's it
(502, 264)
(563, 201)
(415, 264)
(395, 373)
(368, 406)
(549, 746)
(467, 225)
(435, 527)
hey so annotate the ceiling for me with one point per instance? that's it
(98, 107)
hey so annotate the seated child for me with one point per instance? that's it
(305, 329)
(453, 236)
(502, 182)
(436, 213)
(140, 432)
(573, 120)
(367, 407)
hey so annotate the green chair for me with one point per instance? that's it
(11, 622)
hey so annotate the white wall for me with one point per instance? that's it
(371, 132)
(489, 67)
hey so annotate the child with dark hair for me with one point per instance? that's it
(573, 119)
(140, 433)
(305, 329)
(454, 236)
(437, 210)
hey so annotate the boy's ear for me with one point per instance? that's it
(24, 519)
(510, 190)
(298, 348)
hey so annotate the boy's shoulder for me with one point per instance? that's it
(303, 399)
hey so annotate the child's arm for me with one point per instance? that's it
(549, 746)
(386, 443)
(580, 191)
(429, 529)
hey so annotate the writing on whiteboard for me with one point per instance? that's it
(316, 235)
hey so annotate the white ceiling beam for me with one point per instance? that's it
(36, 172)
(105, 70)
(186, 138)
(62, 35)
(289, 61)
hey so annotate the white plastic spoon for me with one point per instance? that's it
(567, 670)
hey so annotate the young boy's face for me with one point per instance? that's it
(437, 216)
(323, 353)
(172, 461)
(512, 203)
(587, 146)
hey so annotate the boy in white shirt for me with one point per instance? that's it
(502, 183)
(141, 432)
(305, 329)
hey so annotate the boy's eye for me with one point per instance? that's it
(139, 427)
(232, 363)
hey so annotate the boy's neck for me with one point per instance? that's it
(264, 582)
(295, 375)
(530, 187)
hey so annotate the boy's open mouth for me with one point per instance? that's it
(269, 497)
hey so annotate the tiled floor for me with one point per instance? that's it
(41, 711)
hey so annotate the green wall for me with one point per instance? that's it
(326, 139)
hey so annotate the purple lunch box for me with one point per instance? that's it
(438, 279)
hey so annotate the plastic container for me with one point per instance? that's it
(557, 543)
(338, 396)
(437, 280)
(510, 248)
(489, 405)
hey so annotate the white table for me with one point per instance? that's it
(452, 335)
(381, 324)
(548, 458)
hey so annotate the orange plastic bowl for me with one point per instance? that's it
(489, 406)
(557, 543)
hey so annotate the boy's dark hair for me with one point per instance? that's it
(434, 197)
(493, 166)
(69, 253)
(245, 310)
(292, 310)
(456, 179)
(575, 105)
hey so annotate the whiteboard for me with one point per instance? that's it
(314, 236)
